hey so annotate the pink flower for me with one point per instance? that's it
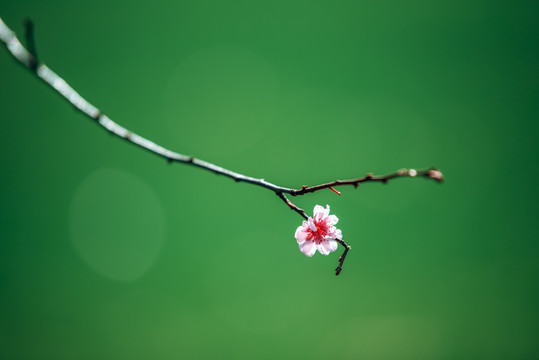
(319, 233)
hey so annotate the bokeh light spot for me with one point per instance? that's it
(116, 224)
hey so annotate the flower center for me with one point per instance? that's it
(319, 230)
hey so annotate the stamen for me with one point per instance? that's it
(335, 191)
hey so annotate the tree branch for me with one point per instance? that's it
(28, 58)
(433, 173)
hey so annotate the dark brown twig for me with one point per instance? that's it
(301, 212)
(343, 256)
(28, 58)
(433, 173)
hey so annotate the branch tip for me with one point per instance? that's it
(436, 174)
(342, 257)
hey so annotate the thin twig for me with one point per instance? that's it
(28, 58)
(301, 212)
(343, 256)
(433, 173)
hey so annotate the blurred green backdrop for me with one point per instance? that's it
(107, 252)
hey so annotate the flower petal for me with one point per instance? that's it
(301, 234)
(332, 220)
(338, 234)
(322, 248)
(331, 245)
(312, 226)
(330, 232)
(320, 213)
(318, 209)
(307, 248)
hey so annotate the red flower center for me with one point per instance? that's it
(319, 235)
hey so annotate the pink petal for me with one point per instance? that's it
(332, 220)
(332, 245)
(307, 248)
(320, 213)
(338, 234)
(322, 249)
(301, 234)
(331, 232)
(318, 209)
(312, 226)
(327, 246)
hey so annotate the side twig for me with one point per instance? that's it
(301, 212)
(28, 58)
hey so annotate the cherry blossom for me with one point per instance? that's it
(318, 233)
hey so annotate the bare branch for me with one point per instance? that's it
(28, 58)
(433, 173)
(301, 212)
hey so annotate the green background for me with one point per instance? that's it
(107, 252)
